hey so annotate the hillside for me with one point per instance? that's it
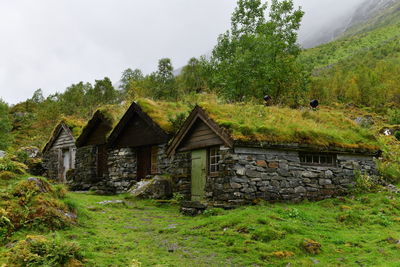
(362, 66)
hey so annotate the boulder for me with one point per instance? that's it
(2, 154)
(156, 188)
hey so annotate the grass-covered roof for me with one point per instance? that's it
(325, 127)
(163, 113)
(108, 115)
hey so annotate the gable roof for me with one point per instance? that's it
(61, 126)
(108, 115)
(259, 126)
(133, 110)
(199, 114)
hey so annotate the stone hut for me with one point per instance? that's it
(59, 153)
(137, 145)
(238, 154)
(91, 169)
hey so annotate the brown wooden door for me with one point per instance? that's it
(101, 161)
(143, 162)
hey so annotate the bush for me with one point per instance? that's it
(7, 164)
(397, 135)
(7, 175)
(6, 226)
(36, 204)
(394, 116)
(39, 251)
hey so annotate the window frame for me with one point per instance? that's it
(213, 165)
(318, 159)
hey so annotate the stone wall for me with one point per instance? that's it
(180, 171)
(121, 169)
(248, 174)
(85, 175)
(50, 164)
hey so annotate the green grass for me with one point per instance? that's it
(353, 231)
(326, 127)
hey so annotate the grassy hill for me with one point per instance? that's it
(363, 65)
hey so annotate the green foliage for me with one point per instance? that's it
(397, 135)
(5, 126)
(193, 78)
(389, 165)
(394, 116)
(35, 205)
(258, 56)
(7, 175)
(365, 183)
(177, 121)
(7, 164)
(40, 251)
(129, 76)
(361, 67)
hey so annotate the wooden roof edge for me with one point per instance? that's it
(56, 132)
(134, 108)
(198, 113)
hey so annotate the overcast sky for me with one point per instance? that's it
(51, 44)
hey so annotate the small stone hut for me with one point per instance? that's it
(91, 169)
(137, 145)
(59, 152)
(236, 154)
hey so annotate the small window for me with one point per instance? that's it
(154, 160)
(318, 159)
(214, 158)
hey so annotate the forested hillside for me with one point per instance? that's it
(361, 67)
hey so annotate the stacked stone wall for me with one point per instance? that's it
(248, 174)
(85, 175)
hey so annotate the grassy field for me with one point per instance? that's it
(361, 230)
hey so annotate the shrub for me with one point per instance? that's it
(7, 175)
(39, 251)
(6, 226)
(365, 183)
(311, 246)
(394, 116)
(7, 164)
(267, 235)
(177, 121)
(397, 135)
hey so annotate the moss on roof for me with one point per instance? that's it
(326, 127)
(162, 112)
(75, 125)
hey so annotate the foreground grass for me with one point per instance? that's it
(354, 231)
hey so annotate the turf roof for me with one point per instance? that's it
(326, 127)
(161, 112)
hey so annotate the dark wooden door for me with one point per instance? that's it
(143, 162)
(101, 161)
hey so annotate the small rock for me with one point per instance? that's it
(311, 246)
(261, 163)
(106, 202)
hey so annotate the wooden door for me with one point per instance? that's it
(101, 161)
(199, 172)
(66, 164)
(143, 162)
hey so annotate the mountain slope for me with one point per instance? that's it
(363, 65)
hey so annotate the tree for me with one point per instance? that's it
(5, 126)
(259, 54)
(164, 80)
(129, 76)
(192, 78)
(103, 92)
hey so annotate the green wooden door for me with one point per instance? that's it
(199, 171)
